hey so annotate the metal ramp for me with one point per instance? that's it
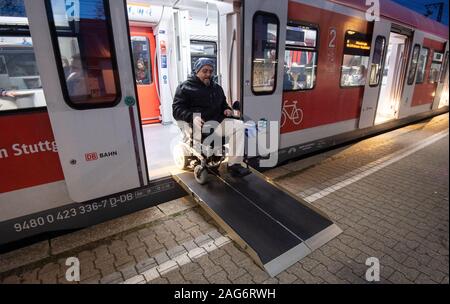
(274, 227)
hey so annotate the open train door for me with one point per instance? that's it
(411, 72)
(380, 42)
(442, 79)
(144, 48)
(91, 103)
(263, 60)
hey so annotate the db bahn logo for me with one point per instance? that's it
(91, 156)
(94, 155)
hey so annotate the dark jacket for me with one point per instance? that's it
(193, 96)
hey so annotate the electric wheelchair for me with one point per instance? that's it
(203, 158)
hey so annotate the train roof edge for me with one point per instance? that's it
(397, 12)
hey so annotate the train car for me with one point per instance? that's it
(89, 133)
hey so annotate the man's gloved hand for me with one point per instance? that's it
(228, 113)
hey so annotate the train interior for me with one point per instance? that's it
(392, 81)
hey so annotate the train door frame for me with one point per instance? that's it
(264, 106)
(371, 96)
(148, 93)
(442, 79)
(395, 65)
(404, 106)
(109, 140)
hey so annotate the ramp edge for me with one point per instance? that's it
(292, 256)
(287, 259)
(323, 237)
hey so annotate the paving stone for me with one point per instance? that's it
(219, 278)
(214, 234)
(159, 281)
(424, 279)
(112, 278)
(161, 258)
(175, 251)
(189, 245)
(182, 259)
(145, 265)
(191, 267)
(135, 280)
(92, 280)
(12, 279)
(195, 275)
(399, 278)
(209, 268)
(203, 239)
(245, 279)
(258, 275)
(24, 256)
(285, 278)
(150, 274)
(166, 267)
(236, 254)
(128, 272)
(175, 277)
(196, 253)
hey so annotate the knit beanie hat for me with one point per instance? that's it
(201, 62)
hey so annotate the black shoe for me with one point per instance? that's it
(237, 170)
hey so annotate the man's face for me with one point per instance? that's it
(205, 73)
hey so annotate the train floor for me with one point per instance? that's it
(388, 193)
(159, 139)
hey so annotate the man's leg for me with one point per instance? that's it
(234, 130)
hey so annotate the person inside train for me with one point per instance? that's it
(199, 99)
(141, 74)
(76, 84)
(66, 66)
(288, 81)
(359, 77)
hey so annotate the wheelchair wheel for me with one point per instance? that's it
(180, 156)
(200, 174)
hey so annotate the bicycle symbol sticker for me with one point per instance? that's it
(292, 112)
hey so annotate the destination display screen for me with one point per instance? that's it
(357, 44)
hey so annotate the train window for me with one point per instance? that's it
(18, 68)
(413, 64)
(422, 65)
(84, 49)
(300, 58)
(264, 53)
(444, 68)
(377, 61)
(301, 36)
(141, 59)
(19, 76)
(435, 69)
(356, 59)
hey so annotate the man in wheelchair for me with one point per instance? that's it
(198, 100)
